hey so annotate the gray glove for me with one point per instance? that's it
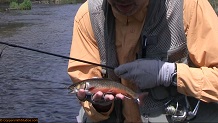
(147, 73)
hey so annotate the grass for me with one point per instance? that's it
(25, 5)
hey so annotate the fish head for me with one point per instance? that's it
(76, 86)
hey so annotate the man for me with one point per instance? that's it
(167, 48)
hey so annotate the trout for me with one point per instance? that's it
(106, 86)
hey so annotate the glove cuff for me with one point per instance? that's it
(174, 77)
(165, 74)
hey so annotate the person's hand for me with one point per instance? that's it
(147, 73)
(98, 97)
(100, 101)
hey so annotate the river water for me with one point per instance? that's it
(32, 84)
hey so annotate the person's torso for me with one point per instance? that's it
(160, 36)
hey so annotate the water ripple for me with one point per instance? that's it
(34, 85)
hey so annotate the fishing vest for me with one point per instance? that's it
(162, 38)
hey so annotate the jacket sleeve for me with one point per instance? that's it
(84, 47)
(201, 26)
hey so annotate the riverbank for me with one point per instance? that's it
(5, 4)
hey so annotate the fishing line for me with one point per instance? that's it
(57, 55)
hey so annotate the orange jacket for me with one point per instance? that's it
(201, 28)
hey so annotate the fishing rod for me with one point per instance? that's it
(57, 55)
(2, 51)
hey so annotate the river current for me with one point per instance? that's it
(32, 84)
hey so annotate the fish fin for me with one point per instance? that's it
(128, 97)
(110, 92)
(73, 91)
(141, 97)
(88, 92)
(90, 88)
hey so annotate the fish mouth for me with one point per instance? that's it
(72, 91)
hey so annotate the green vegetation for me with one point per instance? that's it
(78, 1)
(14, 5)
(25, 5)
(68, 1)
